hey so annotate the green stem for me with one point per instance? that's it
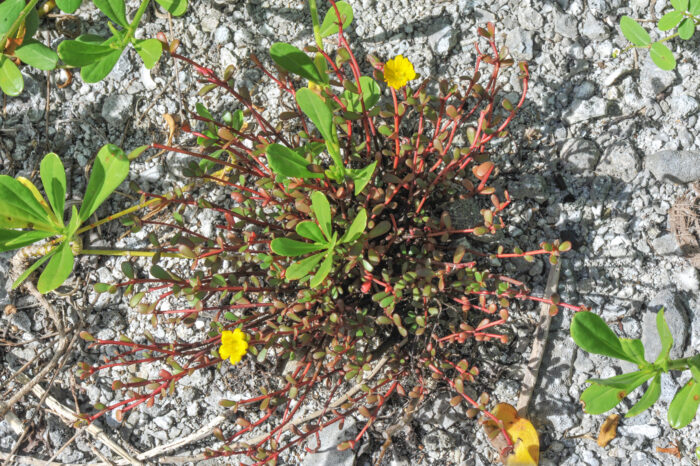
(15, 26)
(679, 364)
(317, 26)
(124, 212)
(130, 253)
(135, 22)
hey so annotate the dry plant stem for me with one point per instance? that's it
(16, 446)
(218, 420)
(69, 418)
(533, 364)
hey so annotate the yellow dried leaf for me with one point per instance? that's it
(526, 442)
(608, 430)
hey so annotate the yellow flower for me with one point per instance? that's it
(234, 345)
(398, 71)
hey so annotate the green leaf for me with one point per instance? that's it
(53, 177)
(330, 21)
(34, 53)
(322, 271)
(68, 6)
(625, 380)
(302, 268)
(370, 93)
(73, 224)
(318, 112)
(362, 176)
(32, 268)
(634, 349)
(114, 10)
(680, 5)
(598, 398)
(649, 398)
(109, 170)
(97, 71)
(20, 209)
(685, 404)
(11, 81)
(686, 29)
(670, 20)
(310, 230)
(286, 162)
(136, 152)
(15, 239)
(664, 335)
(57, 270)
(634, 32)
(322, 210)
(9, 12)
(662, 56)
(694, 7)
(295, 61)
(149, 50)
(292, 248)
(356, 228)
(31, 23)
(84, 50)
(202, 111)
(591, 333)
(175, 7)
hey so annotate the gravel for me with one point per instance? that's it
(599, 153)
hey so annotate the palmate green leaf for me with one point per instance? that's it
(302, 268)
(634, 32)
(175, 7)
(330, 21)
(68, 6)
(634, 349)
(694, 7)
(599, 398)
(686, 29)
(356, 228)
(323, 270)
(9, 12)
(32, 268)
(322, 210)
(310, 230)
(53, 177)
(149, 50)
(34, 53)
(84, 50)
(680, 5)
(664, 335)
(15, 239)
(662, 56)
(20, 209)
(11, 81)
(292, 248)
(57, 270)
(109, 170)
(114, 10)
(286, 162)
(685, 404)
(649, 398)
(370, 92)
(591, 333)
(295, 61)
(362, 176)
(670, 20)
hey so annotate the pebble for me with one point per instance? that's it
(566, 25)
(665, 245)
(580, 154)
(441, 40)
(583, 110)
(676, 166)
(646, 431)
(117, 108)
(594, 29)
(653, 80)
(619, 161)
(520, 44)
(328, 452)
(683, 105)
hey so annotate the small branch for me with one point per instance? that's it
(538, 346)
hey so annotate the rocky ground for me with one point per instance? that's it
(602, 150)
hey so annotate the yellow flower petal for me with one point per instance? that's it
(398, 71)
(234, 345)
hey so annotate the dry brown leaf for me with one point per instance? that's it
(608, 430)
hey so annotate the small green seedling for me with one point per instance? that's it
(26, 217)
(95, 55)
(324, 240)
(592, 334)
(685, 16)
